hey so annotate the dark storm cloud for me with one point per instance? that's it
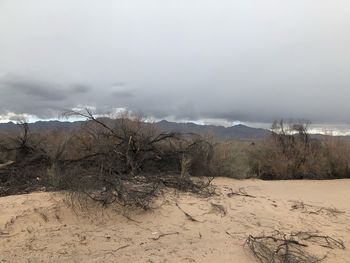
(44, 99)
(252, 61)
(20, 86)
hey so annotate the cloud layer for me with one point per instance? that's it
(252, 61)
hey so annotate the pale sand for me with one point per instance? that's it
(41, 227)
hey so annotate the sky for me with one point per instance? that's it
(210, 61)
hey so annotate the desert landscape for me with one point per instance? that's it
(121, 189)
(51, 227)
(174, 131)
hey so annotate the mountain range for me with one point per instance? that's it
(240, 132)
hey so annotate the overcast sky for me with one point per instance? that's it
(234, 60)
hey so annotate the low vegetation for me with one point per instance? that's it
(290, 152)
(129, 161)
(122, 160)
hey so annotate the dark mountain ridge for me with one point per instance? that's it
(240, 132)
(237, 132)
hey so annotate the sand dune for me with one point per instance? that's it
(48, 227)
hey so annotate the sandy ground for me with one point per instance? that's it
(45, 227)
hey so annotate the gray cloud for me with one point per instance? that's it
(24, 95)
(252, 61)
(20, 86)
(80, 88)
(123, 94)
(119, 84)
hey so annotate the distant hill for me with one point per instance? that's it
(237, 132)
(240, 132)
(42, 125)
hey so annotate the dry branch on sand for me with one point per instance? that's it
(241, 192)
(188, 216)
(159, 235)
(320, 240)
(311, 209)
(282, 248)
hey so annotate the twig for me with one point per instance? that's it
(188, 216)
(311, 209)
(329, 241)
(129, 218)
(2, 233)
(240, 192)
(122, 247)
(165, 234)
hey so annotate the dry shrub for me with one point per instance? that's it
(199, 155)
(289, 153)
(337, 157)
(230, 159)
(128, 161)
(30, 162)
(122, 160)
